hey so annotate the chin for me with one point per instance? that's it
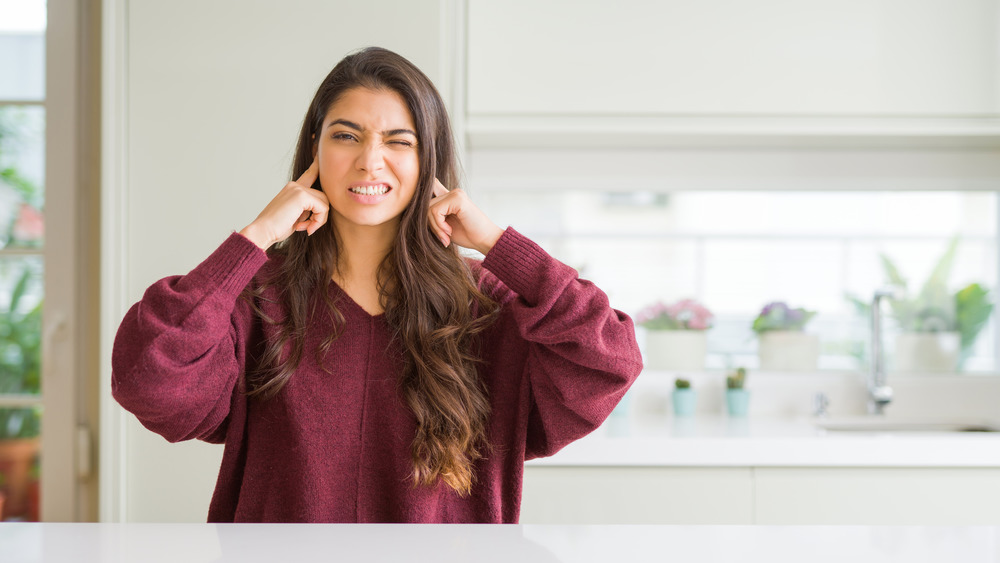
(373, 220)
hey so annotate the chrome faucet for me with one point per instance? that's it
(879, 393)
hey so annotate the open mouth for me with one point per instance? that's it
(379, 189)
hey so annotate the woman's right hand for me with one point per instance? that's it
(297, 207)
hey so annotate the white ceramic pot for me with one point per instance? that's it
(788, 350)
(675, 349)
(927, 351)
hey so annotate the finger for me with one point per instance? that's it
(308, 178)
(316, 221)
(439, 189)
(435, 225)
(441, 210)
(436, 229)
(320, 212)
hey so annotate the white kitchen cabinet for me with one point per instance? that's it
(761, 495)
(637, 495)
(897, 496)
(731, 57)
(637, 73)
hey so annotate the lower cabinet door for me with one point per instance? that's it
(877, 496)
(637, 495)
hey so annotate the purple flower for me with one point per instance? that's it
(777, 315)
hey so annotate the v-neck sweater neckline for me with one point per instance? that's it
(341, 294)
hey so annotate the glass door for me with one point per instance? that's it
(22, 241)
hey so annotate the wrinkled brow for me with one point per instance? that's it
(356, 127)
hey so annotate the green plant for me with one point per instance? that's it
(20, 329)
(20, 360)
(736, 379)
(935, 308)
(681, 383)
(779, 316)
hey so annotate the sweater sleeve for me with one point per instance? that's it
(180, 350)
(582, 354)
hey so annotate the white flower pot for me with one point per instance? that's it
(927, 351)
(788, 350)
(675, 349)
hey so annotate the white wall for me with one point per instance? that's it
(205, 114)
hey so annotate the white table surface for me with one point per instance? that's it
(249, 543)
(719, 441)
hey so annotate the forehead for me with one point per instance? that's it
(375, 110)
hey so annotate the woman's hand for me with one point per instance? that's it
(454, 218)
(297, 207)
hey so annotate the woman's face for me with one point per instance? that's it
(368, 162)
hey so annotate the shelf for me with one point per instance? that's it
(631, 131)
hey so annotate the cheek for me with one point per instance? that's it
(330, 163)
(409, 170)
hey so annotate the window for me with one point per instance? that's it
(736, 251)
(48, 257)
(22, 204)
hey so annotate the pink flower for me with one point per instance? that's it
(30, 224)
(686, 314)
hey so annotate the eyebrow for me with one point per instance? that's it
(356, 127)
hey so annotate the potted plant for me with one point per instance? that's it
(675, 334)
(783, 344)
(684, 397)
(937, 326)
(19, 446)
(737, 396)
(20, 369)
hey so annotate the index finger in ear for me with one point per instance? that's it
(308, 178)
(439, 189)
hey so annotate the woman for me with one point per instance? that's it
(355, 366)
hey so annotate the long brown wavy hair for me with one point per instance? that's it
(428, 292)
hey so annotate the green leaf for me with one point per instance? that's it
(972, 311)
(19, 288)
(28, 191)
(861, 307)
(935, 290)
(892, 272)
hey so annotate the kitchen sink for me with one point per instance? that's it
(883, 424)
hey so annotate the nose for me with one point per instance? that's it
(370, 159)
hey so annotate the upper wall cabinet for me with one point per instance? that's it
(880, 68)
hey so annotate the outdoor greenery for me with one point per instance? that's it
(21, 315)
(936, 308)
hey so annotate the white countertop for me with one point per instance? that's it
(250, 543)
(720, 441)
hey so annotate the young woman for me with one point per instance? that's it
(355, 366)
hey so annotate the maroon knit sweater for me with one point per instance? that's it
(334, 444)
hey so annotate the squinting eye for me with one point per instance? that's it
(342, 136)
(401, 143)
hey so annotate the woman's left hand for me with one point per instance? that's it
(454, 218)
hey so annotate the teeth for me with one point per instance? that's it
(370, 190)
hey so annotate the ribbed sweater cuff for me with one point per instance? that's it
(518, 262)
(232, 265)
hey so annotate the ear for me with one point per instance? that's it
(315, 147)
